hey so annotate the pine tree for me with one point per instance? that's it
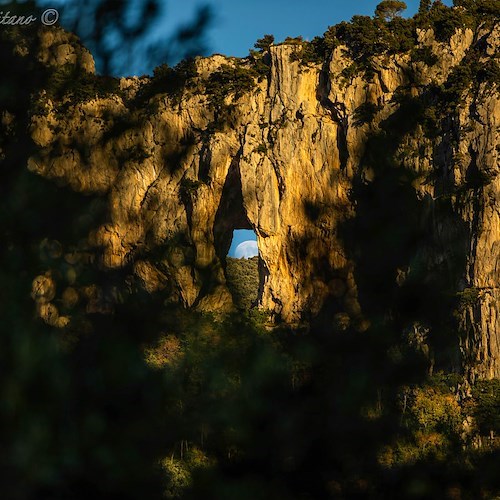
(425, 6)
(264, 43)
(389, 9)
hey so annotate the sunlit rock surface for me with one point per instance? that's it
(293, 162)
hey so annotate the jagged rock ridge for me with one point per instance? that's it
(294, 159)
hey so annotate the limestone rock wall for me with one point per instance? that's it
(286, 163)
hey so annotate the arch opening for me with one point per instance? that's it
(236, 244)
(243, 270)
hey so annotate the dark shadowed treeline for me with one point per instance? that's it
(152, 401)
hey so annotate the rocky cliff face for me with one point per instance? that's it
(354, 214)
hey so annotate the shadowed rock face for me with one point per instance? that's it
(355, 219)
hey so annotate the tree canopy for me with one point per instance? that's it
(389, 9)
(264, 43)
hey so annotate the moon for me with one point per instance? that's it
(246, 250)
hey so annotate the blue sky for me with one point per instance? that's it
(239, 236)
(238, 23)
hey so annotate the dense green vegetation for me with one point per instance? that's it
(68, 82)
(425, 55)
(229, 81)
(485, 406)
(390, 9)
(243, 281)
(170, 81)
(263, 44)
(245, 432)
(387, 32)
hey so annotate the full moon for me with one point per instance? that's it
(246, 250)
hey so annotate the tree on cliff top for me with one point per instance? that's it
(491, 7)
(425, 6)
(389, 9)
(264, 43)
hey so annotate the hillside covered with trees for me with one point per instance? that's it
(243, 281)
